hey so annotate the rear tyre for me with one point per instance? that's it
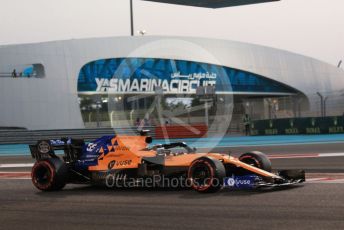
(49, 174)
(256, 159)
(206, 175)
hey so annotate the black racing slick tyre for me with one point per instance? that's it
(49, 174)
(256, 159)
(206, 175)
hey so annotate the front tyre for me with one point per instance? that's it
(206, 175)
(256, 159)
(49, 174)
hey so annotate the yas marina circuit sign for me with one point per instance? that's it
(145, 75)
(177, 83)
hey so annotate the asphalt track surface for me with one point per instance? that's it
(314, 205)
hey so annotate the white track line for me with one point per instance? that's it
(24, 165)
(331, 154)
(324, 181)
(310, 155)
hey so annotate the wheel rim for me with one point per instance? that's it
(202, 175)
(42, 175)
(251, 161)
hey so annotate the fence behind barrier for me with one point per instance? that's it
(306, 125)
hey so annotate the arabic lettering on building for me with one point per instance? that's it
(177, 83)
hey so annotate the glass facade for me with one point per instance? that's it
(99, 73)
(125, 91)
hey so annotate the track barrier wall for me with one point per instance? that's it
(295, 126)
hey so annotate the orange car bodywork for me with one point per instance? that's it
(127, 152)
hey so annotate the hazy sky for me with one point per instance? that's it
(311, 27)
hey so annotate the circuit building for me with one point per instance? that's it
(104, 82)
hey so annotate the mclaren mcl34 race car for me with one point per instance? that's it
(131, 157)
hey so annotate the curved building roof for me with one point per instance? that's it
(212, 3)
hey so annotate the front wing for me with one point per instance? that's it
(253, 181)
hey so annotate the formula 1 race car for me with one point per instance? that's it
(122, 158)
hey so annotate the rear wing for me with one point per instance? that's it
(44, 149)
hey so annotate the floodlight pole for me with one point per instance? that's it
(131, 18)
